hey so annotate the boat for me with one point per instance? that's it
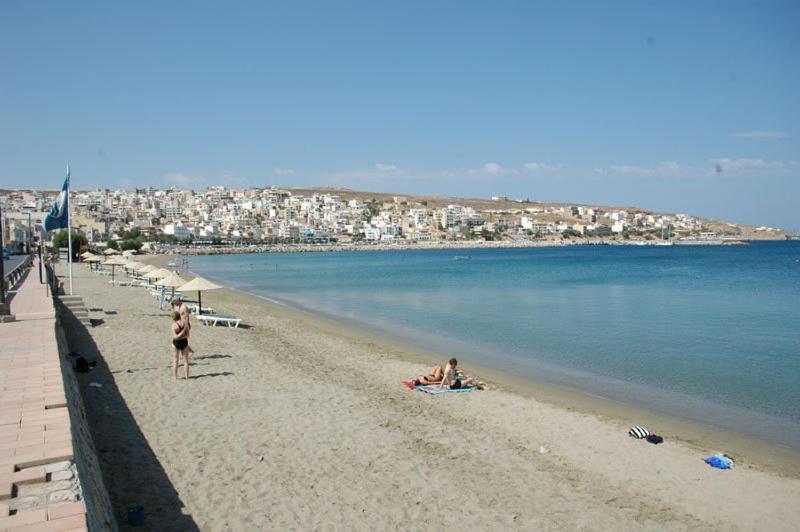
(462, 257)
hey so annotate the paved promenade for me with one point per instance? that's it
(39, 488)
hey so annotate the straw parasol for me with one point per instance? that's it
(171, 281)
(199, 284)
(131, 266)
(87, 254)
(157, 274)
(110, 251)
(146, 268)
(114, 261)
(92, 260)
(129, 252)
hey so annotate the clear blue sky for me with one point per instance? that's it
(679, 106)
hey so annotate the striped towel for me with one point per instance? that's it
(433, 389)
(638, 432)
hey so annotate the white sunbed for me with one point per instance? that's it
(193, 308)
(212, 320)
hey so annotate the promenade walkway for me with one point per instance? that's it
(39, 487)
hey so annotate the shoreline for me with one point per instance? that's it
(704, 438)
(182, 250)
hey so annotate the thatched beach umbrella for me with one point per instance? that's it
(172, 280)
(131, 266)
(159, 273)
(94, 259)
(110, 251)
(115, 261)
(87, 254)
(129, 252)
(199, 284)
(146, 268)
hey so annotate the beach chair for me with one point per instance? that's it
(213, 320)
(194, 308)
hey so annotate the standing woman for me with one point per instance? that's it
(179, 305)
(180, 344)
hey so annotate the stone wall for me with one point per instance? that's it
(99, 512)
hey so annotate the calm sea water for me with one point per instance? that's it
(707, 333)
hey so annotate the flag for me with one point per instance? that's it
(58, 216)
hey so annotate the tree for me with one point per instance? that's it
(112, 244)
(61, 240)
(373, 209)
(130, 243)
(133, 234)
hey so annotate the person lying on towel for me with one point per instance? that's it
(433, 377)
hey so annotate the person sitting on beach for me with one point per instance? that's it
(180, 344)
(433, 377)
(452, 379)
(183, 310)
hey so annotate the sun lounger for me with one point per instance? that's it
(193, 308)
(212, 320)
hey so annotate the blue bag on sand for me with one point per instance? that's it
(719, 461)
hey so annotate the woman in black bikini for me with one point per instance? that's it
(180, 344)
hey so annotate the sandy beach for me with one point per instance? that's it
(293, 421)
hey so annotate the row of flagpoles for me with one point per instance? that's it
(59, 218)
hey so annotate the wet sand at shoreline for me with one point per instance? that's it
(300, 422)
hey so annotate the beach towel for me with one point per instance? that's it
(433, 389)
(638, 432)
(408, 384)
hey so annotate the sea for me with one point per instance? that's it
(706, 333)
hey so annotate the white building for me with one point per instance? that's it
(178, 230)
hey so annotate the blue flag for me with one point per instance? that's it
(59, 212)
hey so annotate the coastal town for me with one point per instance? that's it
(151, 219)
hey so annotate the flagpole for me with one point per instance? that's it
(69, 232)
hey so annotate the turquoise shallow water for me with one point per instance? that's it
(708, 333)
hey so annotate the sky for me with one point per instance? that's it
(670, 106)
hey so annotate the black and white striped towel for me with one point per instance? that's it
(639, 432)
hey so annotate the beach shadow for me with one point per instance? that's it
(95, 309)
(110, 312)
(204, 375)
(214, 356)
(131, 471)
(96, 321)
(136, 370)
